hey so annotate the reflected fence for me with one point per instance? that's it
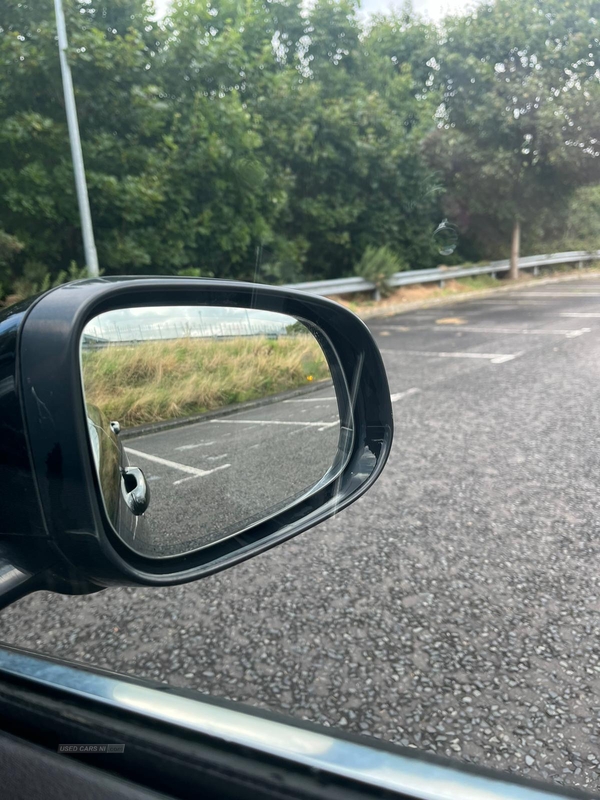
(110, 335)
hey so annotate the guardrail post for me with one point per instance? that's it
(580, 265)
(494, 275)
(442, 284)
(376, 295)
(536, 271)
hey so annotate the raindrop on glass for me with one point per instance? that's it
(445, 237)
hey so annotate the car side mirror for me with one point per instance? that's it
(154, 431)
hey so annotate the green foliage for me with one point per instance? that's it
(10, 246)
(578, 228)
(378, 264)
(582, 228)
(36, 280)
(276, 142)
(519, 122)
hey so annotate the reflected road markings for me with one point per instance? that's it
(193, 471)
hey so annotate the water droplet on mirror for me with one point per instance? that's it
(445, 237)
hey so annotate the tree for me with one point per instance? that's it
(224, 199)
(338, 149)
(520, 120)
(120, 114)
(347, 141)
(171, 164)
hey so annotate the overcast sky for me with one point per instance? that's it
(433, 9)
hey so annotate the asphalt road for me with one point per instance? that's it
(456, 607)
(216, 477)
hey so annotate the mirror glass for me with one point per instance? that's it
(205, 420)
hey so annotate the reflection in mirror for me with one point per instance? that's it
(205, 420)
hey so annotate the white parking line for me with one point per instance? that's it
(194, 471)
(512, 303)
(581, 285)
(559, 294)
(399, 395)
(320, 425)
(568, 332)
(309, 399)
(584, 314)
(192, 446)
(494, 358)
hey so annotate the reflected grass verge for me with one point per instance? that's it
(156, 381)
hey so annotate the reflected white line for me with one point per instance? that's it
(194, 471)
(320, 425)
(494, 358)
(399, 395)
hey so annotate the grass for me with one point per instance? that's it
(161, 380)
(477, 282)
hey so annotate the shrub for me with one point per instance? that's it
(36, 280)
(378, 264)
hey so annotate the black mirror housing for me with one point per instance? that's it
(54, 529)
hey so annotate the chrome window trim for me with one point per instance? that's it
(411, 777)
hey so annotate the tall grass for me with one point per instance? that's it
(161, 380)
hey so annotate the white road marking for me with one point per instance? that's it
(192, 446)
(583, 314)
(193, 471)
(320, 425)
(568, 332)
(494, 358)
(206, 472)
(581, 285)
(399, 395)
(299, 430)
(512, 303)
(560, 294)
(309, 399)
(504, 359)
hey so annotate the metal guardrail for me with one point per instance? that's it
(439, 275)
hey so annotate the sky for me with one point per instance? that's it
(432, 9)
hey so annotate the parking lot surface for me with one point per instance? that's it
(456, 607)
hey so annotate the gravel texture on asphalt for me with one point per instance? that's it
(456, 607)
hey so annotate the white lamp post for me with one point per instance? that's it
(89, 246)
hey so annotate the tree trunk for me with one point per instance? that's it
(514, 251)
